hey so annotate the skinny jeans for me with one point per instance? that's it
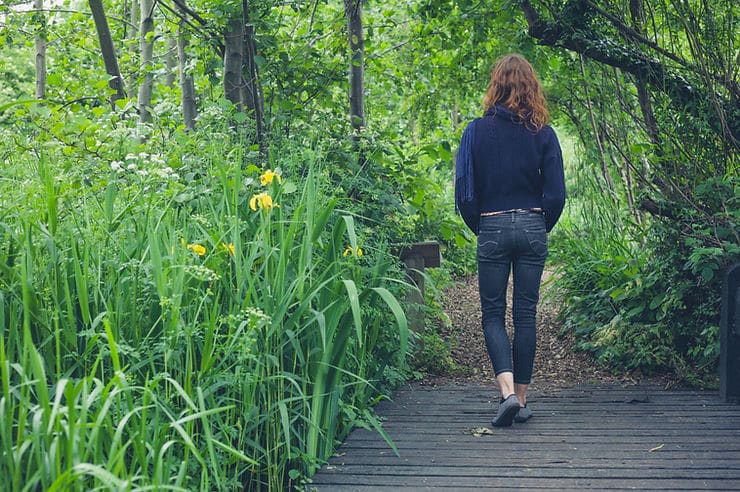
(513, 241)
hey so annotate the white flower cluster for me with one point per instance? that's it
(144, 164)
(202, 273)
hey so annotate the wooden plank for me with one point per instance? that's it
(514, 485)
(615, 461)
(592, 440)
(531, 483)
(542, 457)
(442, 470)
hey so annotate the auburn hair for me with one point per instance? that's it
(514, 84)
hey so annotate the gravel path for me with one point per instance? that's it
(557, 364)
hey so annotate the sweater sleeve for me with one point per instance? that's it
(553, 181)
(465, 200)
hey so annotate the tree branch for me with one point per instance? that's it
(571, 33)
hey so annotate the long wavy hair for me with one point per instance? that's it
(514, 84)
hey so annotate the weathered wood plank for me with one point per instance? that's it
(538, 438)
(699, 461)
(532, 483)
(514, 485)
(510, 470)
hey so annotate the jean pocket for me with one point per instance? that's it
(537, 241)
(488, 243)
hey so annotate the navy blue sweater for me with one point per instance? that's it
(512, 167)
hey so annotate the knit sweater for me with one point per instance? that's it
(512, 168)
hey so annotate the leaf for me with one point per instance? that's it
(354, 302)
(289, 187)
(397, 310)
(656, 302)
(479, 431)
(657, 448)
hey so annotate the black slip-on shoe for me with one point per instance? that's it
(507, 409)
(523, 414)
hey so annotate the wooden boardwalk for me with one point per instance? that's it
(589, 437)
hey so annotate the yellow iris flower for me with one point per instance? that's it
(350, 251)
(197, 249)
(229, 248)
(268, 176)
(261, 200)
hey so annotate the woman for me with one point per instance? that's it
(510, 190)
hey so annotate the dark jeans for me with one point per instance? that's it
(518, 241)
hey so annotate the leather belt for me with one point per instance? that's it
(514, 210)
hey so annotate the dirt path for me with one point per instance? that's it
(557, 364)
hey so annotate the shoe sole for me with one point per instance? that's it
(506, 418)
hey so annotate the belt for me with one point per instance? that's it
(515, 210)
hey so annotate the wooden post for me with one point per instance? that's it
(417, 257)
(729, 337)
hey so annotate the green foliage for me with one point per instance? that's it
(645, 302)
(653, 215)
(179, 330)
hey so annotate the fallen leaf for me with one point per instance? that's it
(480, 431)
(657, 448)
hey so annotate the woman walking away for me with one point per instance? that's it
(510, 191)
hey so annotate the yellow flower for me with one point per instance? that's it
(350, 251)
(229, 248)
(268, 176)
(263, 200)
(197, 249)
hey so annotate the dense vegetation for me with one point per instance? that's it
(200, 205)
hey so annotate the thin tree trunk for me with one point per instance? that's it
(623, 166)
(233, 59)
(107, 50)
(171, 58)
(146, 47)
(595, 129)
(637, 12)
(40, 45)
(353, 12)
(134, 18)
(252, 89)
(187, 84)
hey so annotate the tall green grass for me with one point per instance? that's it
(159, 333)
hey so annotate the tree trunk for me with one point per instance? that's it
(597, 133)
(40, 45)
(353, 12)
(146, 47)
(637, 12)
(171, 57)
(134, 18)
(187, 84)
(233, 59)
(107, 50)
(252, 89)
